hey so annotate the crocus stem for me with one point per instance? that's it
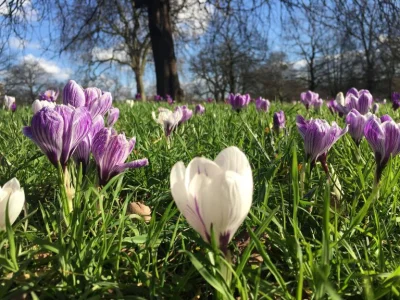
(64, 198)
(69, 189)
(336, 186)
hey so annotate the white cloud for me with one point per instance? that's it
(300, 64)
(60, 74)
(110, 53)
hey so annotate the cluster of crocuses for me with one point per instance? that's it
(361, 100)
(382, 134)
(170, 120)
(167, 98)
(10, 103)
(77, 128)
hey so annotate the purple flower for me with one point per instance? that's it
(238, 101)
(73, 94)
(101, 105)
(13, 106)
(318, 138)
(332, 106)
(110, 151)
(168, 119)
(82, 152)
(186, 113)
(8, 102)
(279, 120)
(360, 100)
(199, 109)
(58, 131)
(317, 104)
(396, 100)
(49, 95)
(210, 100)
(262, 104)
(356, 123)
(169, 99)
(91, 94)
(308, 98)
(157, 98)
(138, 96)
(113, 115)
(384, 139)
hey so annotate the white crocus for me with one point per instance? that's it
(214, 194)
(8, 102)
(168, 119)
(340, 99)
(130, 102)
(37, 105)
(13, 195)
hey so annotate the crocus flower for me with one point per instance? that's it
(262, 104)
(168, 119)
(199, 109)
(383, 136)
(113, 115)
(340, 99)
(356, 123)
(39, 104)
(186, 113)
(360, 100)
(92, 94)
(13, 196)
(279, 120)
(395, 100)
(318, 138)
(169, 99)
(82, 152)
(138, 96)
(110, 151)
(131, 103)
(238, 101)
(14, 107)
(332, 106)
(8, 102)
(57, 132)
(210, 100)
(318, 102)
(308, 98)
(49, 95)
(214, 195)
(73, 94)
(157, 98)
(101, 105)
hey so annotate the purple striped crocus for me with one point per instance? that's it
(279, 120)
(356, 123)
(332, 106)
(110, 151)
(49, 95)
(57, 132)
(360, 100)
(308, 98)
(317, 104)
(318, 138)
(157, 98)
(186, 113)
(238, 101)
(92, 94)
(113, 115)
(82, 153)
(73, 94)
(383, 136)
(262, 104)
(199, 109)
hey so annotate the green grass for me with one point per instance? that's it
(310, 248)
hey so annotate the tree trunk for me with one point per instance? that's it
(163, 49)
(140, 85)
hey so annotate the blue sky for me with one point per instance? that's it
(38, 45)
